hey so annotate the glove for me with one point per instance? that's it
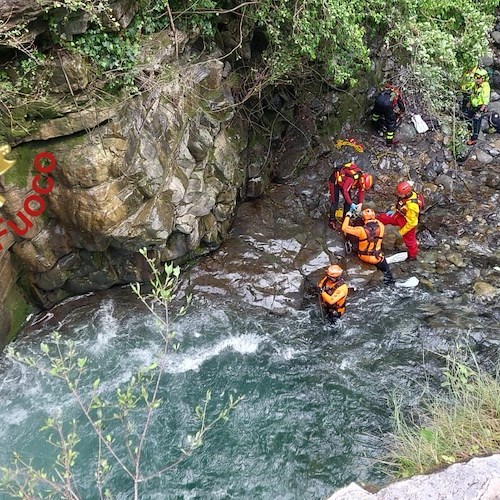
(390, 212)
(348, 214)
(353, 207)
(359, 207)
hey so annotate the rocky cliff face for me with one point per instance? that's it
(161, 170)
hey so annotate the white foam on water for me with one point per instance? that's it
(41, 319)
(191, 360)
(107, 326)
(345, 364)
(15, 416)
(288, 353)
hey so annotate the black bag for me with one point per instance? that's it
(494, 121)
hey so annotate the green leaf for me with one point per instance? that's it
(427, 434)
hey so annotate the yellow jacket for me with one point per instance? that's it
(409, 208)
(480, 95)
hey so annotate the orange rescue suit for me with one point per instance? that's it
(370, 239)
(334, 293)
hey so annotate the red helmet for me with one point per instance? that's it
(366, 181)
(368, 214)
(334, 271)
(404, 189)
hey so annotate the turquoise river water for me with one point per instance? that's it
(315, 415)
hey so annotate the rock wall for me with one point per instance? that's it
(161, 169)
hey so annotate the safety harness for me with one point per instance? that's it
(372, 230)
(329, 287)
(418, 199)
(348, 170)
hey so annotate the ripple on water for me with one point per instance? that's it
(314, 413)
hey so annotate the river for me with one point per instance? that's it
(315, 414)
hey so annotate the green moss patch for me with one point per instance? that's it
(19, 307)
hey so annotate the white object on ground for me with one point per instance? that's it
(420, 126)
(409, 283)
(397, 257)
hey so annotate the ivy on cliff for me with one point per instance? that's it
(304, 39)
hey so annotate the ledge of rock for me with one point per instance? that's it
(477, 479)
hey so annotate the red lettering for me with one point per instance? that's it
(40, 189)
(16, 228)
(2, 232)
(52, 162)
(31, 211)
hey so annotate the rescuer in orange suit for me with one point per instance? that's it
(370, 237)
(333, 290)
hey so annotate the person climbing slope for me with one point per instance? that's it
(478, 104)
(466, 86)
(405, 215)
(353, 183)
(370, 237)
(389, 104)
(333, 292)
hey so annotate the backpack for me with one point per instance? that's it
(348, 170)
(419, 200)
(393, 92)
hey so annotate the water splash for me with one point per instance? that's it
(193, 358)
(107, 326)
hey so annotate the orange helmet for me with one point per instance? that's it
(366, 181)
(368, 214)
(334, 271)
(404, 189)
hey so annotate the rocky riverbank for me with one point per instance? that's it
(478, 479)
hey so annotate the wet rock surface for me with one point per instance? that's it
(280, 244)
(477, 479)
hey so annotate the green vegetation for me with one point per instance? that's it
(18, 307)
(121, 421)
(304, 41)
(458, 425)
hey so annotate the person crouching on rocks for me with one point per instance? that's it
(370, 237)
(352, 182)
(333, 292)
